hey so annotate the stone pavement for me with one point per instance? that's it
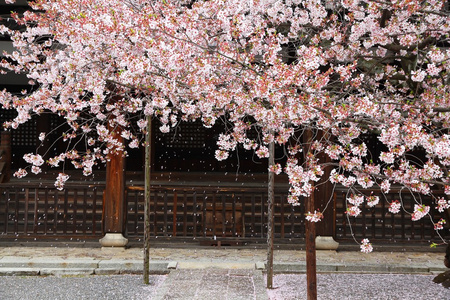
(75, 260)
(232, 273)
(210, 283)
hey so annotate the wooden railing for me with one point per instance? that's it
(32, 209)
(213, 212)
(176, 211)
(377, 223)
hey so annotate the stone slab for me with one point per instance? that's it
(437, 269)
(67, 272)
(14, 262)
(363, 268)
(56, 262)
(260, 265)
(327, 268)
(172, 265)
(300, 268)
(106, 271)
(289, 268)
(260, 285)
(215, 265)
(19, 271)
(121, 264)
(408, 269)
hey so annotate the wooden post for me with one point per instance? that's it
(6, 157)
(148, 153)
(43, 124)
(270, 217)
(114, 195)
(310, 230)
(322, 195)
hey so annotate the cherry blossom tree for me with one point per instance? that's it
(339, 70)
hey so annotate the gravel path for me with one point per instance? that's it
(360, 286)
(117, 287)
(288, 287)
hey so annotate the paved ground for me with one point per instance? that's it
(349, 286)
(108, 287)
(50, 260)
(205, 273)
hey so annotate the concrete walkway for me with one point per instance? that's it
(89, 261)
(227, 284)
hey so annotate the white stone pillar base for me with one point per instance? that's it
(326, 243)
(113, 240)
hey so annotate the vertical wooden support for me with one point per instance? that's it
(43, 124)
(310, 232)
(270, 217)
(114, 200)
(323, 195)
(310, 228)
(114, 197)
(174, 210)
(194, 214)
(6, 157)
(148, 151)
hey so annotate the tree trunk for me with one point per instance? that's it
(310, 230)
(148, 138)
(270, 221)
(310, 233)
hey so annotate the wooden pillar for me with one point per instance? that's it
(322, 196)
(6, 156)
(311, 268)
(114, 205)
(270, 216)
(323, 202)
(147, 186)
(43, 125)
(114, 197)
(310, 230)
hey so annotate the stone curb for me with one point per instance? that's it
(340, 268)
(19, 271)
(20, 266)
(47, 262)
(66, 271)
(23, 266)
(260, 285)
(215, 265)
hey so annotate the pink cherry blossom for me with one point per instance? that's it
(419, 212)
(366, 246)
(372, 200)
(394, 207)
(356, 199)
(60, 180)
(442, 204)
(314, 217)
(20, 173)
(353, 211)
(317, 79)
(440, 224)
(221, 154)
(276, 168)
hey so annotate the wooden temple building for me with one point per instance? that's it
(194, 197)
